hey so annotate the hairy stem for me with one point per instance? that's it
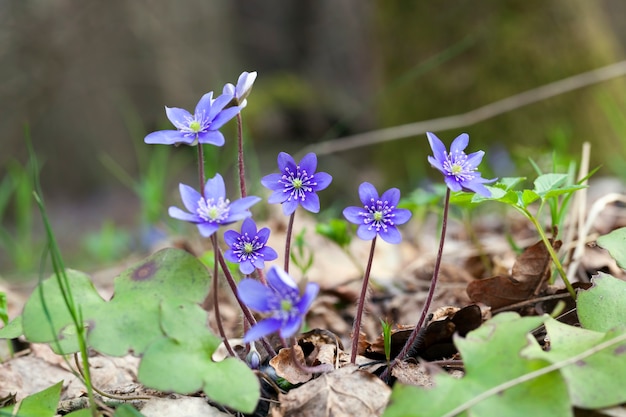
(288, 241)
(356, 328)
(431, 291)
(216, 305)
(201, 168)
(242, 172)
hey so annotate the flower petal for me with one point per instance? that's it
(179, 117)
(478, 188)
(460, 143)
(203, 108)
(437, 146)
(246, 267)
(211, 137)
(215, 188)
(392, 196)
(190, 197)
(271, 181)
(230, 256)
(391, 235)
(353, 214)
(401, 216)
(168, 137)
(207, 229)
(322, 180)
(179, 214)
(452, 183)
(261, 329)
(268, 253)
(258, 262)
(364, 232)
(311, 203)
(281, 281)
(218, 105)
(435, 163)
(289, 206)
(242, 205)
(474, 159)
(310, 292)
(248, 226)
(278, 196)
(229, 89)
(291, 326)
(285, 161)
(309, 163)
(224, 116)
(262, 234)
(230, 237)
(367, 193)
(256, 295)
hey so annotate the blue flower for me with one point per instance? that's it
(200, 127)
(241, 91)
(378, 216)
(280, 300)
(297, 184)
(460, 170)
(212, 210)
(248, 247)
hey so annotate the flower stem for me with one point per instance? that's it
(356, 328)
(246, 312)
(288, 241)
(216, 305)
(201, 168)
(553, 255)
(242, 173)
(431, 291)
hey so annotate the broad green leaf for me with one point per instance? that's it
(13, 329)
(41, 404)
(130, 321)
(615, 243)
(85, 412)
(46, 317)
(549, 182)
(528, 197)
(182, 361)
(563, 190)
(602, 307)
(596, 381)
(508, 183)
(492, 357)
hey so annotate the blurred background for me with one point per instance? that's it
(86, 81)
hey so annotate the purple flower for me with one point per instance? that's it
(296, 184)
(281, 300)
(378, 216)
(200, 127)
(248, 247)
(243, 88)
(212, 210)
(458, 168)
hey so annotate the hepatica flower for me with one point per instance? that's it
(460, 170)
(248, 247)
(296, 184)
(241, 90)
(212, 210)
(379, 215)
(200, 127)
(280, 300)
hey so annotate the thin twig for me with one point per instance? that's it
(472, 117)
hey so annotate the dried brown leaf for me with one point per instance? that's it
(285, 368)
(345, 392)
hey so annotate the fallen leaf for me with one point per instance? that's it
(528, 277)
(283, 364)
(345, 392)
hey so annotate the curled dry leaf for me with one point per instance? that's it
(528, 278)
(285, 368)
(345, 392)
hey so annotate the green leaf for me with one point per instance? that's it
(492, 357)
(602, 307)
(528, 197)
(182, 361)
(335, 230)
(615, 243)
(596, 381)
(41, 404)
(13, 329)
(509, 183)
(549, 182)
(126, 410)
(85, 412)
(130, 321)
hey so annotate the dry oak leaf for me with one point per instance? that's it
(528, 278)
(346, 392)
